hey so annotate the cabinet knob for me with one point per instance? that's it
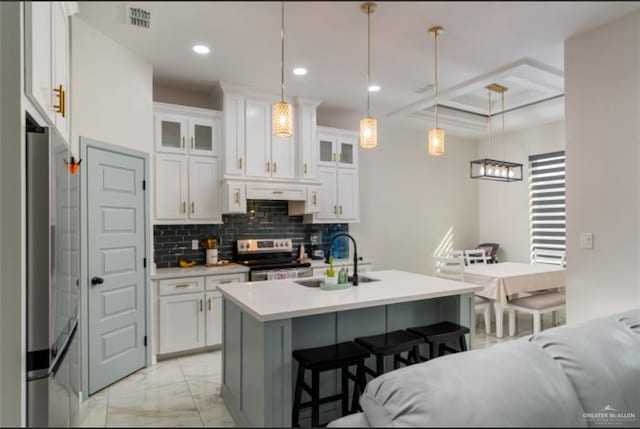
(184, 207)
(237, 197)
(268, 167)
(340, 209)
(209, 304)
(335, 209)
(315, 199)
(275, 167)
(200, 306)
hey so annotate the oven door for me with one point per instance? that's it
(292, 273)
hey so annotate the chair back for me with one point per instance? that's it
(475, 256)
(554, 257)
(449, 268)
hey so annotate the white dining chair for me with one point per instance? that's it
(457, 254)
(475, 256)
(536, 305)
(452, 268)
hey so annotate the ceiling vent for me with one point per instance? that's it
(138, 17)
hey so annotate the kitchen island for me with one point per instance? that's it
(265, 321)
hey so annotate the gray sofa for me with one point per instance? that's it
(579, 375)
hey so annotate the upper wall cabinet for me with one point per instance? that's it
(47, 61)
(337, 149)
(306, 138)
(186, 130)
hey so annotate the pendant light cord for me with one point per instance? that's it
(282, 50)
(368, 58)
(490, 131)
(435, 87)
(504, 150)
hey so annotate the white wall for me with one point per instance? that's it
(504, 207)
(111, 93)
(602, 85)
(170, 94)
(409, 201)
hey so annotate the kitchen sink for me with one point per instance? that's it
(318, 282)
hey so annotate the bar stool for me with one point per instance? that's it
(319, 359)
(438, 334)
(392, 343)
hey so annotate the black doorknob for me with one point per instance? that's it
(97, 281)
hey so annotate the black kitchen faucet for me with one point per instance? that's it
(355, 254)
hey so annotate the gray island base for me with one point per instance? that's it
(265, 321)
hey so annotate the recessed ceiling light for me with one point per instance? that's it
(201, 49)
(300, 71)
(374, 88)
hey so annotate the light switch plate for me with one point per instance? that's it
(586, 240)
(194, 244)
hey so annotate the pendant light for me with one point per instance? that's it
(368, 125)
(282, 112)
(436, 135)
(493, 169)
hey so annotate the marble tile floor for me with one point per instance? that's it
(184, 391)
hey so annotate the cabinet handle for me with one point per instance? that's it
(268, 166)
(193, 207)
(335, 209)
(237, 197)
(275, 167)
(278, 192)
(340, 209)
(60, 107)
(184, 207)
(305, 168)
(183, 142)
(193, 144)
(182, 286)
(200, 306)
(209, 304)
(315, 199)
(240, 163)
(225, 281)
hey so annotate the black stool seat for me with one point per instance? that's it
(439, 334)
(331, 357)
(391, 342)
(438, 330)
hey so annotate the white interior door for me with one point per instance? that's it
(116, 243)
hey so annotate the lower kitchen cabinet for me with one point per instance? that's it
(214, 319)
(182, 322)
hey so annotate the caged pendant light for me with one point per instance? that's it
(493, 169)
(282, 112)
(436, 135)
(368, 125)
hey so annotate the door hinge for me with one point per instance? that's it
(144, 262)
(144, 185)
(145, 341)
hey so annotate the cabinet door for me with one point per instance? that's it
(38, 57)
(312, 205)
(283, 157)
(214, 319)
(327, 150)
(308, 141)
(202, 136)
(347, 194)
(171, 187)
(204, 198)
(236, 198)
(60, 24)
(182, 324)
(258, 135)
(234, 135)
(171, 133)
(347, 148)
(327, 206)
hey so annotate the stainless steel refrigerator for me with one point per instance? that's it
(53, 261)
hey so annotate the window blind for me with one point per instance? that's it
(547, 212)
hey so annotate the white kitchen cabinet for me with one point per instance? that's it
(213, 319)
(234, 134)
(182, 322)
(47, 61)
(235, 197)
(337, 149)
(171, 133)
(258, 139)
(204, 135)
(327, 195)
(171, 187)
(283, 157)
(347, 201)
(204, 194)
(186, 130)
(306, 137)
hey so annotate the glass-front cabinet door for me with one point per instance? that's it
(203, 135)
(171, 133)
(347, 152)
(327, 148)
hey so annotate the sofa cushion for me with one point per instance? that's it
(601, 357)
(512, 384)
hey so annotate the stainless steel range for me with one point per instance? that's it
(271, 259)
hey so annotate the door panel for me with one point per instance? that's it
(327, 193)
(347, 191)
(171, 133)
(258, 134)
(203, 188)
(116, 241)
(203, 135)
(214, 318)
(234, 135)
(326, 150)
(347, 152)
(171, 187)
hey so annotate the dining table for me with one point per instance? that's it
(502, 280)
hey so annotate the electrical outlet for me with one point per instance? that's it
(194, 244)
(586, 240)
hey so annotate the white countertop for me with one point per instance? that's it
(284, 299)
(197, 270)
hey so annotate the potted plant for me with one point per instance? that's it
(331, 278)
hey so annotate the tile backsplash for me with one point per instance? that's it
(264, 219)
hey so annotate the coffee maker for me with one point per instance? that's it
(317, 252)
